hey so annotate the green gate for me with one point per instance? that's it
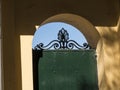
(67, 66)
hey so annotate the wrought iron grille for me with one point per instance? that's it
(62, 43)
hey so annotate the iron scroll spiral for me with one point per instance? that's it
(62, 43)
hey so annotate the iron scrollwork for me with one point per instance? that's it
(62, 43)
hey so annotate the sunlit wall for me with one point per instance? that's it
(26, 62)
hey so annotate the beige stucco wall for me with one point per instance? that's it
(19, 17)
(109, 61)
(26, 62)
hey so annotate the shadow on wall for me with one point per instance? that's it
(107, 15)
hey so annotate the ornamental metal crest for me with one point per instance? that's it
(62, 43)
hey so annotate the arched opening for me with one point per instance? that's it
(91, 36)
(80, 23)
(85, 27)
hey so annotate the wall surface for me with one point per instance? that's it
(19, 17)
(11, 65)
(98, 12)
(110, 57)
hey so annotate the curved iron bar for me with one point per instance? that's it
(73, 44)
(63, 42)
(41, 46)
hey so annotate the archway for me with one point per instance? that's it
(79, 22)
(84, 26)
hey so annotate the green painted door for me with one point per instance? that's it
(67, 70)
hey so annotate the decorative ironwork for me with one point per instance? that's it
(62, 43)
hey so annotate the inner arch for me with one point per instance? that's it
(88, 30)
